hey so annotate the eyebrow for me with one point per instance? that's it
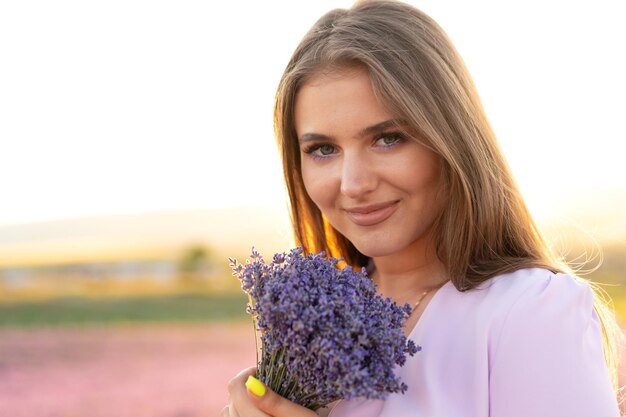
(370, 130)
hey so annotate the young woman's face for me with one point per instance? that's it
(375, 185)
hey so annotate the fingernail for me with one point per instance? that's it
(255, 386)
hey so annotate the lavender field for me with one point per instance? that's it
(160, 370)
(140, 370)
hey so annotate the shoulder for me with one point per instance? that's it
(526, 294)
(533, 287)
(541, 305)
(546, 352)
(529, 279)
(532, 303)
(516, 304)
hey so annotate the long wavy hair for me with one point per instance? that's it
(485, 228)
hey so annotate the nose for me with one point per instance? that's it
(358, 176)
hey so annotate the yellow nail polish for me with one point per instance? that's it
(255, 386)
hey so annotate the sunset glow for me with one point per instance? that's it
(133, 106)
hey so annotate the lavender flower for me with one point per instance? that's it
(325, 332)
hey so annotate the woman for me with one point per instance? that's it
(391, 163)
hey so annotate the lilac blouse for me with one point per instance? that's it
(522, 344)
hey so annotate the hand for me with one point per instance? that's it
(243, 403)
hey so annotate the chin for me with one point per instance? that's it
(376, 248)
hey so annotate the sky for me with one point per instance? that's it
(127, 106)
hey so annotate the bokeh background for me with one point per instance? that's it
(137, 155)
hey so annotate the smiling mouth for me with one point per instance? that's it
(372, 214)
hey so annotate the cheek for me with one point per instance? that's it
(311, 182)
(318, 184)
(421, 172)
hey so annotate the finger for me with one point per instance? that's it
(272, 403)
(240, 404)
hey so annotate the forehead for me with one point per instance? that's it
(336, 99)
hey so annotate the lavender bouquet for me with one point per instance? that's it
(325, 333)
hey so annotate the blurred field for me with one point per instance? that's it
(147, 370)
(117, 336)
(148, 357)
(81, 310)
(152, 356)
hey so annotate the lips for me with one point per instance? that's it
(372, 214)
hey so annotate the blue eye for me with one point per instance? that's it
(389, 139)
(325, 149)
(320, 151)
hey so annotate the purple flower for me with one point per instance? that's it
(325, 333)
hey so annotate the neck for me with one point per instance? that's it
(414, 270)
(409, 279)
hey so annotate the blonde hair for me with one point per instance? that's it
(485, 228)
